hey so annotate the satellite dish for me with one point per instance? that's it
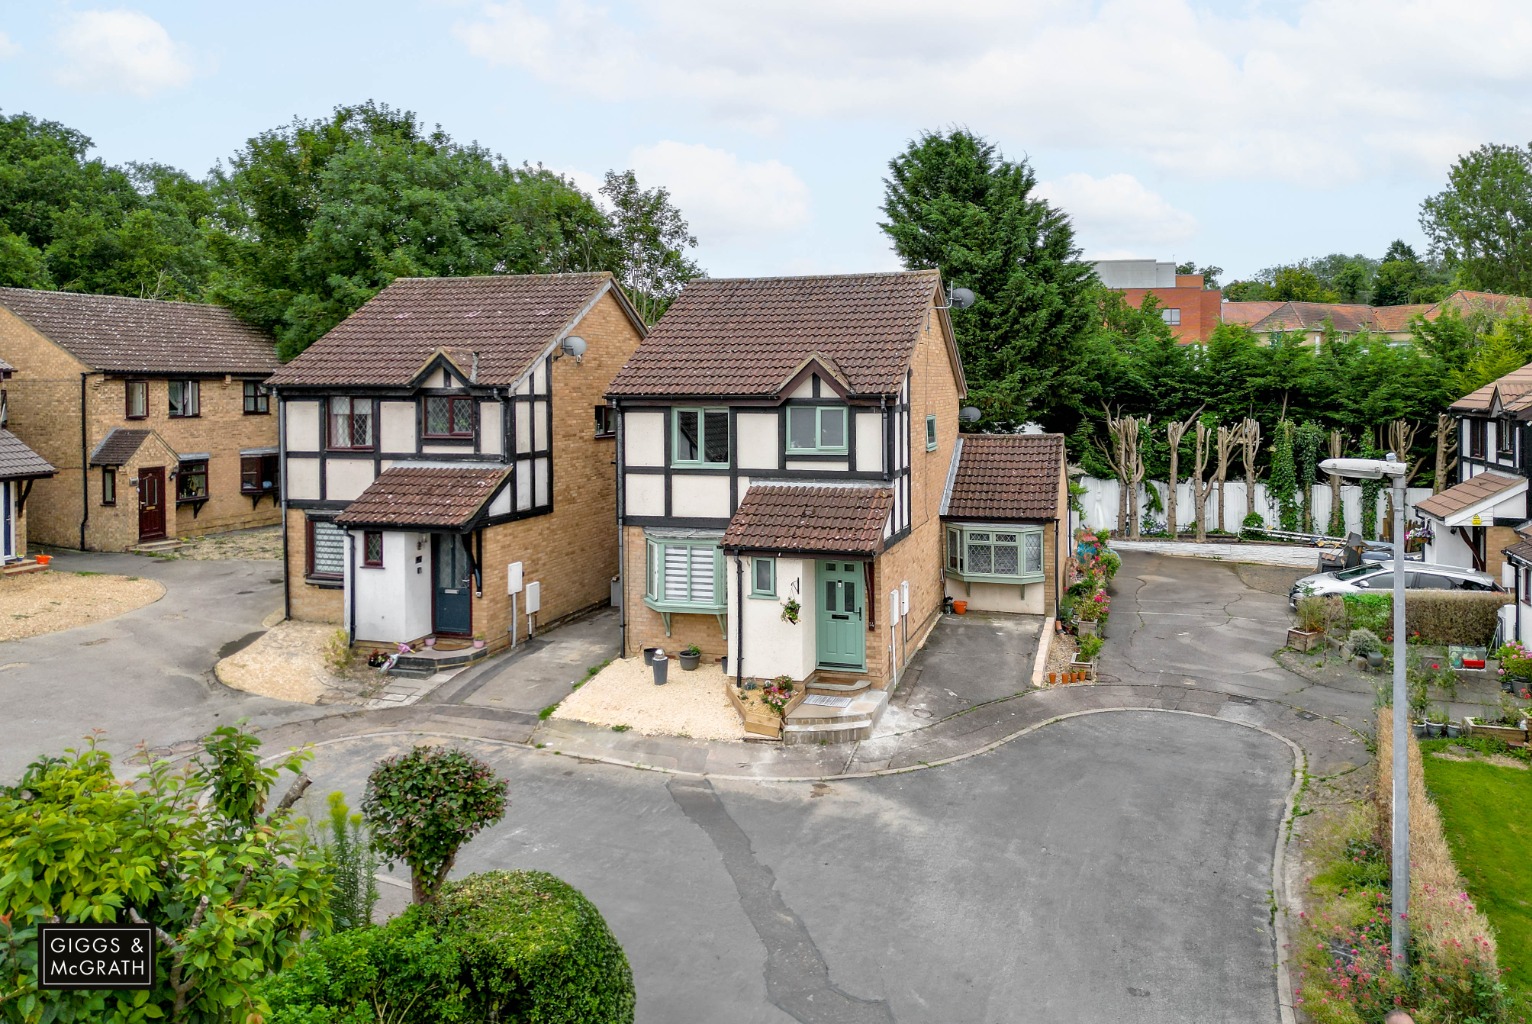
(960, 298)
(574, 346)
(969, 413)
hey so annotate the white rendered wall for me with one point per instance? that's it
(700, 495)
(869, 442)
(643, 436)
(645, 494)
(774, 647)
(756, 443)
(300, 479)
(490, 428)
(1023, 599)
(302, 426)
(348, 478)
(396, 426)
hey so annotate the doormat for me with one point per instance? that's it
(821, 701)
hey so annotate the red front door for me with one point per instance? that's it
(151, 503)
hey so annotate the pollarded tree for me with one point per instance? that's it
(1174, 431)
(1228, 437)
(1202, 484)
(1250, 446)
(424, 805)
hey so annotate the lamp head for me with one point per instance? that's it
(1364, 469)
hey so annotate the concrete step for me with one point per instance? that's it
(811, 723)
(155, 547)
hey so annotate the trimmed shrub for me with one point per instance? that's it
(1253, 527)
(534, 950)
(1439, 616)
(1364, 642)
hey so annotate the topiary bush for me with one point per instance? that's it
(534, 950)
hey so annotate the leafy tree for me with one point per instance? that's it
(424, 805)
(352, 862)
(953, 202)
(1283, 485)
(229, 889)
(1481, 223)
(651, 237)
(1300, 284)
(1248, 291)
(1403, 278)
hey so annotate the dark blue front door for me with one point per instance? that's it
(454, 585)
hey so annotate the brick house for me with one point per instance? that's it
(20, 468)
(1006, 515)
(447, 454)
(153, 412)
(1190, 308)
(783, 448)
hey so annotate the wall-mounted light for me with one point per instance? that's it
(574, 345)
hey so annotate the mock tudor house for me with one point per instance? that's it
(20, 468)
(783, 446)
(154, 414)
(447, 456)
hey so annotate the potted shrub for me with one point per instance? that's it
(1093, 611)
(1420, 701)
(691, 655)
(1085, 659)
(1310, 629)
(1364, 644)
(478, 641)
(1436, 722)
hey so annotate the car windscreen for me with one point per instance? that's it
(1356, 572)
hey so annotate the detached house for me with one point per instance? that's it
(783, 448)
(154, 414)
(447, 455)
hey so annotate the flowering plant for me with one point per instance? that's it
(1515, 662)
(776, 694)
(1095, 606)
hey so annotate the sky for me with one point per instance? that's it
(1241, 134)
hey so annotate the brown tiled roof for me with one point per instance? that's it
(1521, 550)
(443, 497)
(1468, 493)
(6, 367)
(118, 446)
(109, 332)
(505, 320)
(1349, 318)
(1464, 301)
(1248, 313)
(1395, 319)
(17, 461)
(815, 520)
(1007, 477)
(746, 336)
(1514, 389)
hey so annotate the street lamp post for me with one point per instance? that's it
(1397, 472)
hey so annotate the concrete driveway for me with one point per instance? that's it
(145, 675)
(1113, 866)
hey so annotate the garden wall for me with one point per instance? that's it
(1100, 503)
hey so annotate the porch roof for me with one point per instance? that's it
(1457, 505)
(1006, 477)
(118, 446)
(18, 462)
(425, 497)
(810, 520)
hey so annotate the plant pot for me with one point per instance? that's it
(43, 560)
(1088, 627)
(1304, 640)
(1419, 728)
(723, 664)
(478, 645)
(1375, 660)
(661, 669)
(1085, 669)
(649, 655)
(430, 641)
(1435, 730)
(689, 662)
(1454, 730)
(961, 607)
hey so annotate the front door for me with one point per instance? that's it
(151, 503)
(7, 534)
(842, 643)
(453, 607)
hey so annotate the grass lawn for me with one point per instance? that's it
(1487, 815)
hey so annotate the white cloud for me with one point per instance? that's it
(1322, 93)
(724, 198)
(8, 48)
(120, 51)
(1118, 214)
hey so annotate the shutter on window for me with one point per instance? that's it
(702, 574)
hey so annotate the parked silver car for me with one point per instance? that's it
(1378, 577)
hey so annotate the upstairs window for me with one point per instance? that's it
(257, 401)
(816, 430)
(259, 474)
(701, 437)
(1477, 441)
(930, 433)
(1172, 317)
(185, 398)
(137, 399)
(606, 420)
(1505, 437)
(350, 423)
(449, 416)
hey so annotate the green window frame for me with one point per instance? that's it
(817, 430)
(763, 578)
(931, 433)
(699, 436)
(996, 553)
(685, 576)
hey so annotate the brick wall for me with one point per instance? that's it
(45, 413)
(307, 602)
(1201, 308)
(645, 627)
(115, 527)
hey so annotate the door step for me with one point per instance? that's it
(813, 723)
(155, 547)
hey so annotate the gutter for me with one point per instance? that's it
(84, 464)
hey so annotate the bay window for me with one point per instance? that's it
(995, 554)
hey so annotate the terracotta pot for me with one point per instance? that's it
(1053, 677)
(961, 607)
(43, 560)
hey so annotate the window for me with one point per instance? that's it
(1476, 437)
(606, 420)
(1505, 437)
(260, 474)
(327, 550)
(108, 485)
(137, 399)
(449, 416)
(191, 480)
(685, 574)
(257, 401)
(930, 433)
(816, 429)
(372, 549)
(1171, 317)
(350, 423)
(763, 577)
(995, 554)
(185, 398)
(701, 437)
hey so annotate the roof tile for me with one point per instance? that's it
(440, 497)
(18, 462)
(817, 519)
(1467, 494)
(118, 446)
(1007, 477)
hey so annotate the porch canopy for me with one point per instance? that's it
(810, 520)
(445, 498)
(18, 462)
(1475, 497)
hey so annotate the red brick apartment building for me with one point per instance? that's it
(1191, 310)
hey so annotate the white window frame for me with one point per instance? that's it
(963, 539)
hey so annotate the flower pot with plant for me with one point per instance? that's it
(791, 610)
(478, 641)
(1436, 722)
(1085, 659)
(691, 655)
(1310, 630)
(1364, 642)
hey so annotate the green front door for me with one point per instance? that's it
(841, 638)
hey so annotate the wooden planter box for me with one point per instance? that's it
(1302, 640)
(1507, 733)
(760, 720)
(1088, 667)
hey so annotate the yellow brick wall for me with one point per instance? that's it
(645, 626)
(45, 414)
(307, 602)
(115, 527)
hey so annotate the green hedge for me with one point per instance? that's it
(1439, 616)
(520, 947)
